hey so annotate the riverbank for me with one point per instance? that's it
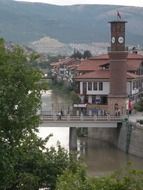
(131, 135)
(128, 136)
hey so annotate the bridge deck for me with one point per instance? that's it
(80, 121)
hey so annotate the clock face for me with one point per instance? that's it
(113, 40)
(120, 39)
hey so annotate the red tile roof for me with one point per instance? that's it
(102, 74)
(99, 74)
(67, 61)
(102, 56)
(91, 65)
(130, 56)
(132, 75)
(135, 56)
(133, 62)
(133, 65)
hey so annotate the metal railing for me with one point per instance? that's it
(80, 118)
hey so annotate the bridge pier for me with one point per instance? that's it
(73, 139)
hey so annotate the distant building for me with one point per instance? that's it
(64, 69)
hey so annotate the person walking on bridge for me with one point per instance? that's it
(59, 115)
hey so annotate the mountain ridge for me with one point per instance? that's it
(24, 22)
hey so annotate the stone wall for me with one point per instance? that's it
(122, 138)
(128, 137)
(136, 143)
(131, 141)
(105, 134)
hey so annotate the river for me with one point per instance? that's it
(101, 158)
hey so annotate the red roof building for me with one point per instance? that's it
(134, 62)
(94, 79)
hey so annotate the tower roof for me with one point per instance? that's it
(118, 21)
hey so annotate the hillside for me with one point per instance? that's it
(24, 22)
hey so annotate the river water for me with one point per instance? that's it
(101, 158)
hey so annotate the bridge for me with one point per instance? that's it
(80, 121)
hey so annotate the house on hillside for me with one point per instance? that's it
(64, 70)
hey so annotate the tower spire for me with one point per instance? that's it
(118, 15)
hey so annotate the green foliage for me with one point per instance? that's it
(33, 56)
(87, 54)
(78, 55)
(25, 162)
(19, 102)
(56, 162)
(74, 97)
(140, 121)
(139, 106)
(73, 179)
(127, 179)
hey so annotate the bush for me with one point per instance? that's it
(139, 106)
(126, 179)
(140, 121)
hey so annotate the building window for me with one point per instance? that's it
(95, 86)
(89, 85)
(100, 86)
(84, 87)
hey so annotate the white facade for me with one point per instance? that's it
(81, 88)
(105, 88)
(131, 88)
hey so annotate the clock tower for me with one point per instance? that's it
(118, 67)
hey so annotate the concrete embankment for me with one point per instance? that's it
(128, 137)
(131, 138)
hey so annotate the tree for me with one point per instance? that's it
(125, 179)
(87, 54)
(25, 161)
(139, 105)
(77, 54)
(74, 97)
(19, 102)
(74, 180)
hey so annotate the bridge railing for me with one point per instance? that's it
(79, 118)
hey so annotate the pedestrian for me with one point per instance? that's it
(119, 112)
(59, 115)
(62, 113)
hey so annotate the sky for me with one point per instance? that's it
(138, 3)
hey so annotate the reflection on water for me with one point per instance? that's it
(101, 158)
(53, 103)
